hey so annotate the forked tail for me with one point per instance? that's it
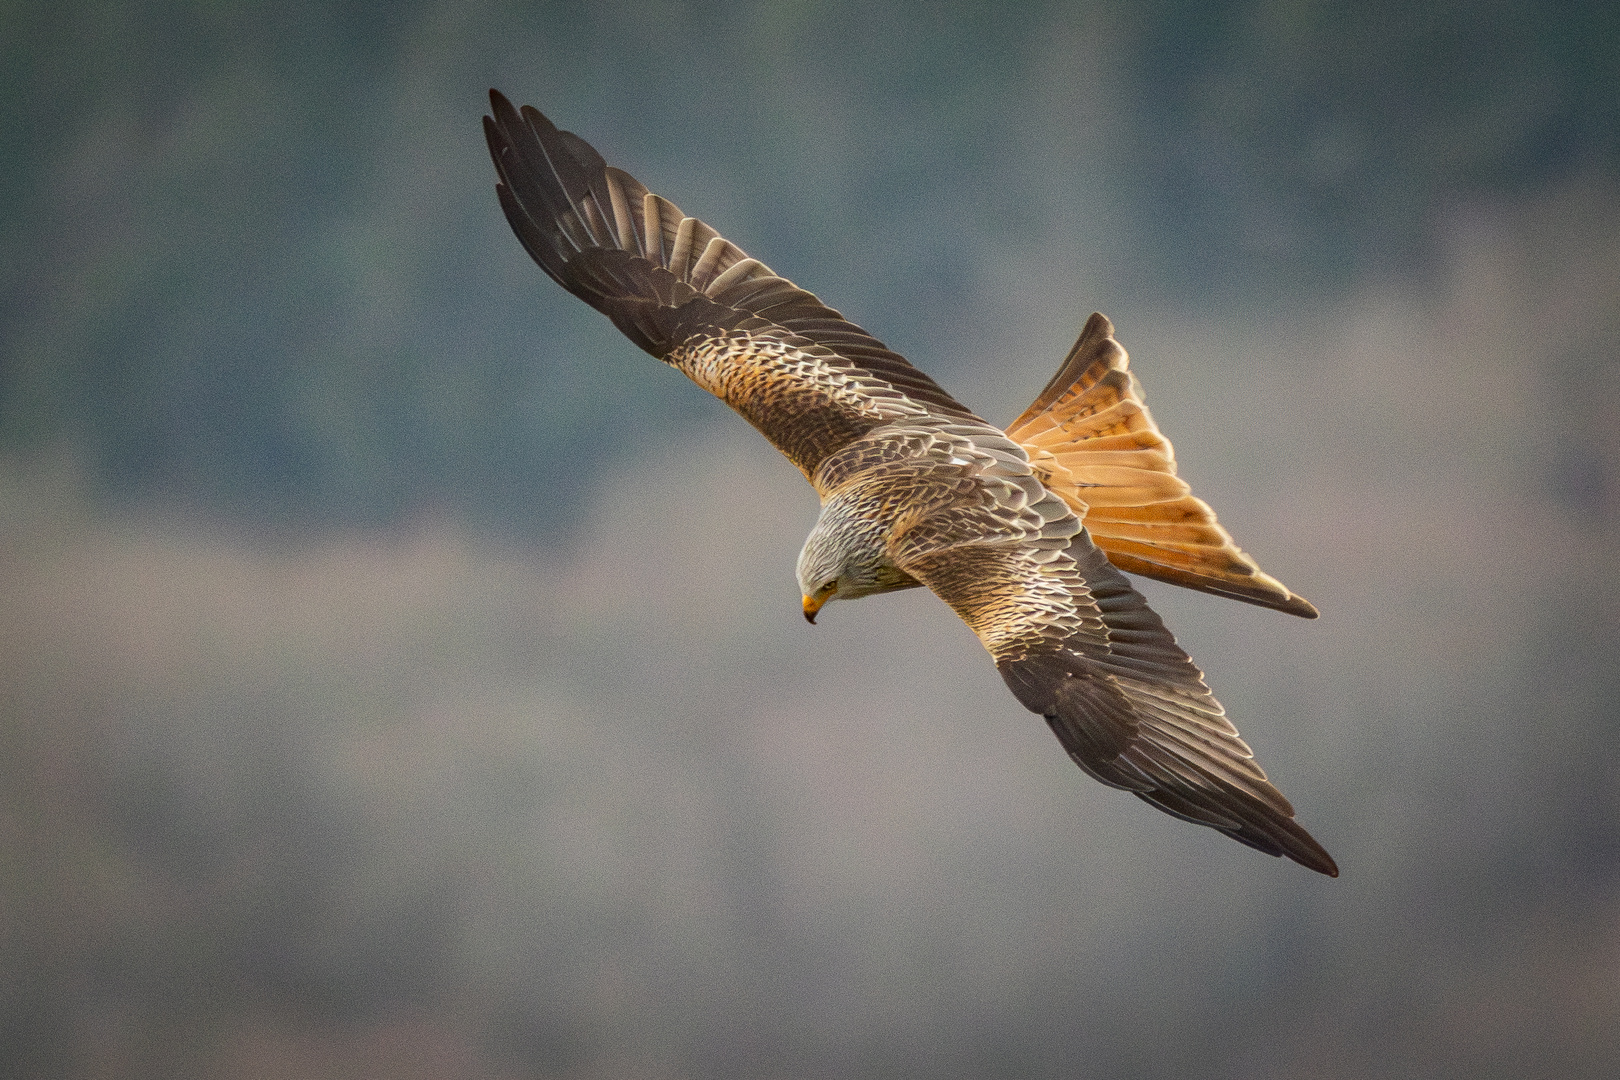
(1093, 442)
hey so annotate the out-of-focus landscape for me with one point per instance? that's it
(402, 676)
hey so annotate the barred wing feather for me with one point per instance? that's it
(810, 380)
(1075, 643)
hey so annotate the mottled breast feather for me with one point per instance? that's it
(917, 489)
(810, 380)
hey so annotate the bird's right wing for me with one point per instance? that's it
(1092, 441)
(1078, 645)
(807, 378)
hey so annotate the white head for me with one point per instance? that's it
(846, 556)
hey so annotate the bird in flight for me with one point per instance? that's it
(1022, 531)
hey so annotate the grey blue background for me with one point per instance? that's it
(402, 676)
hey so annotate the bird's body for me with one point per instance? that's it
(1013, 529)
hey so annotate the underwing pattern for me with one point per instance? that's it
(1019, 531)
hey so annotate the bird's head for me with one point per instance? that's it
(846, 557)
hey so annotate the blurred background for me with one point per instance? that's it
(402, 676)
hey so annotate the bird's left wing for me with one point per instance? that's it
(810, 380)
(1078, 645)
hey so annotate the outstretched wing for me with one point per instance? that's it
(806, 377)
(1078, 645)
(1092, 441)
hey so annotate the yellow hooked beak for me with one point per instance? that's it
(811, 606)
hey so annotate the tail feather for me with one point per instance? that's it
(1094, 443)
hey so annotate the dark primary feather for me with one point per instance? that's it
(669, 281)
(965, 513)
(1137, 715)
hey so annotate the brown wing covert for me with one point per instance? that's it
(1078, 645)
(687, 295)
